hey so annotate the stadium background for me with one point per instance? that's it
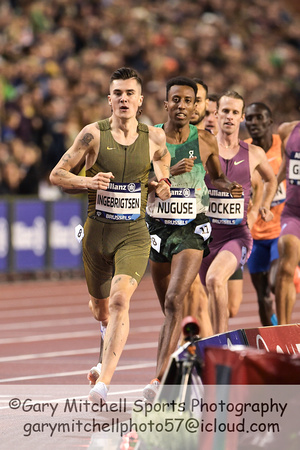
(56, 59)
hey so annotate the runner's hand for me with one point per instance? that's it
(162, 189)
(236, 189)
(183, 166)
(266, 214)
(100, 181)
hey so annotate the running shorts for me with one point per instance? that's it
(111, 249)
(168, 240)
(264, 251)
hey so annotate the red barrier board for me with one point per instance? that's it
(249, 366)
(280, 339)
(264, 375)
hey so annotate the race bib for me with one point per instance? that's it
(79, 232)
(155, 242)
(244, 255)
(280, 195)
(180, 209)
(204, 230)
(294, 168)
(121, 201)
(224, 209)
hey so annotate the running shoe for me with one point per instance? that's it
(151, 390)
(94, 374)
(274, 320)
(102, 330)
(98, 394)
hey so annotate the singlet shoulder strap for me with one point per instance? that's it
(104, 125)
(143, 127)
(244, 145)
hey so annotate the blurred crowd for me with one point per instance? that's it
(57, 57)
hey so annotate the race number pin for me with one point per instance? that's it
(79, 233)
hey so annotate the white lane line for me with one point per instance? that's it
(69, 298)
(70, 335)
(35, 293)
(46, 323)
(78, 372)
(136, 315)
(10, 297)
(244, 321)
(84, 351)
(40, 310)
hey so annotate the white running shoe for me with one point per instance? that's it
(95, 371)
(102, 330)
(98, 394)
(94, 374)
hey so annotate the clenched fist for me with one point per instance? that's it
(100, 181)
(236, 189)
(183, 166)
(162, 189)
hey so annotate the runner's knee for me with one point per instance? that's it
(286, 268)
(173, 304)
(118, 302)
(233, 310)
(213, 282)
(99, 311)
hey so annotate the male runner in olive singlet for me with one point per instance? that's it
(117, 154)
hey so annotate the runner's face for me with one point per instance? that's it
(180, 104)
(200, 106)
(210, 120)
(230, 114)
(258, 121)
(125, 98)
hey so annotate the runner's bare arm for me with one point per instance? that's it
(161, 159)
(284, 131)
(183, 166)
(210, 157)
(76, 170)
(83, 151)
(256, 200)
(267, 174)
(281, 174)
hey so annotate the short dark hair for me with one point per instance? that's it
(181, 81)
(125, 73)
(199, 81)
(262, 106)
(232, 94)
(213, 98)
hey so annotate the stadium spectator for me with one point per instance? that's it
(60, 54)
